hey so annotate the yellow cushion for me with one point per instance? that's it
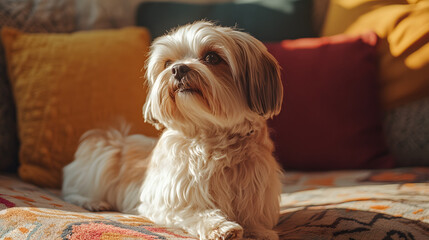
(66, 84)
(404, 49)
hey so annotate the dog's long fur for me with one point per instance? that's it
(212, 171)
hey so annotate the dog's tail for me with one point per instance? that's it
(115, 141)
(112, 136)
(114, 133)
(102, 160)
(98, 148)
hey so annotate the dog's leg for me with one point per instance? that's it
(212, 225)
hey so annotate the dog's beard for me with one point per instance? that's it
(191, 84)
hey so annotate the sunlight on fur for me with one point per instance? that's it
(212, 171)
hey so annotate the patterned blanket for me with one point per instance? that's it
(381, 204)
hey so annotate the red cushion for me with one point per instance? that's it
(331, 118)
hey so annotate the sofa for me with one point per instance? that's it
(352, 136)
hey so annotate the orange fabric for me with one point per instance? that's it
(324, 181)
(418, 211)
(379, 207)
(404, 50)
(389, 176)
(66, 84)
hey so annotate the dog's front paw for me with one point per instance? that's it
(226, 231)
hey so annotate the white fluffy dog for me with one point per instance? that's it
(212, 171)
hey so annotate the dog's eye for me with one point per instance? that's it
(167, 63)
(212, 58)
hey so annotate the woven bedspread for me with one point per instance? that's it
(381, 204)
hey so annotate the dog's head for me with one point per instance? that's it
(206, 76)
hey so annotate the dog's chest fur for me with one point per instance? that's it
(229, 173)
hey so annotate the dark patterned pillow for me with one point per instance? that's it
(407, 133)
(29, 16)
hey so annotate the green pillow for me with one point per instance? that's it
(272, 20)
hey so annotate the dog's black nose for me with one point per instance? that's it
(179, 71)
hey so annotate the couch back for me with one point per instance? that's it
(287, 19)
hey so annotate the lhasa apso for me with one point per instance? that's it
(212, 171)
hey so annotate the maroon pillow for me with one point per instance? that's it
(330, 118)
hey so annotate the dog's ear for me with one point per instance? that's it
(150, 69)
(265, 88)
(259, 76)
(148, 115)
(148, 107)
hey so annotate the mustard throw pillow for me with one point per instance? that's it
(66, 84)
(404, 50)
